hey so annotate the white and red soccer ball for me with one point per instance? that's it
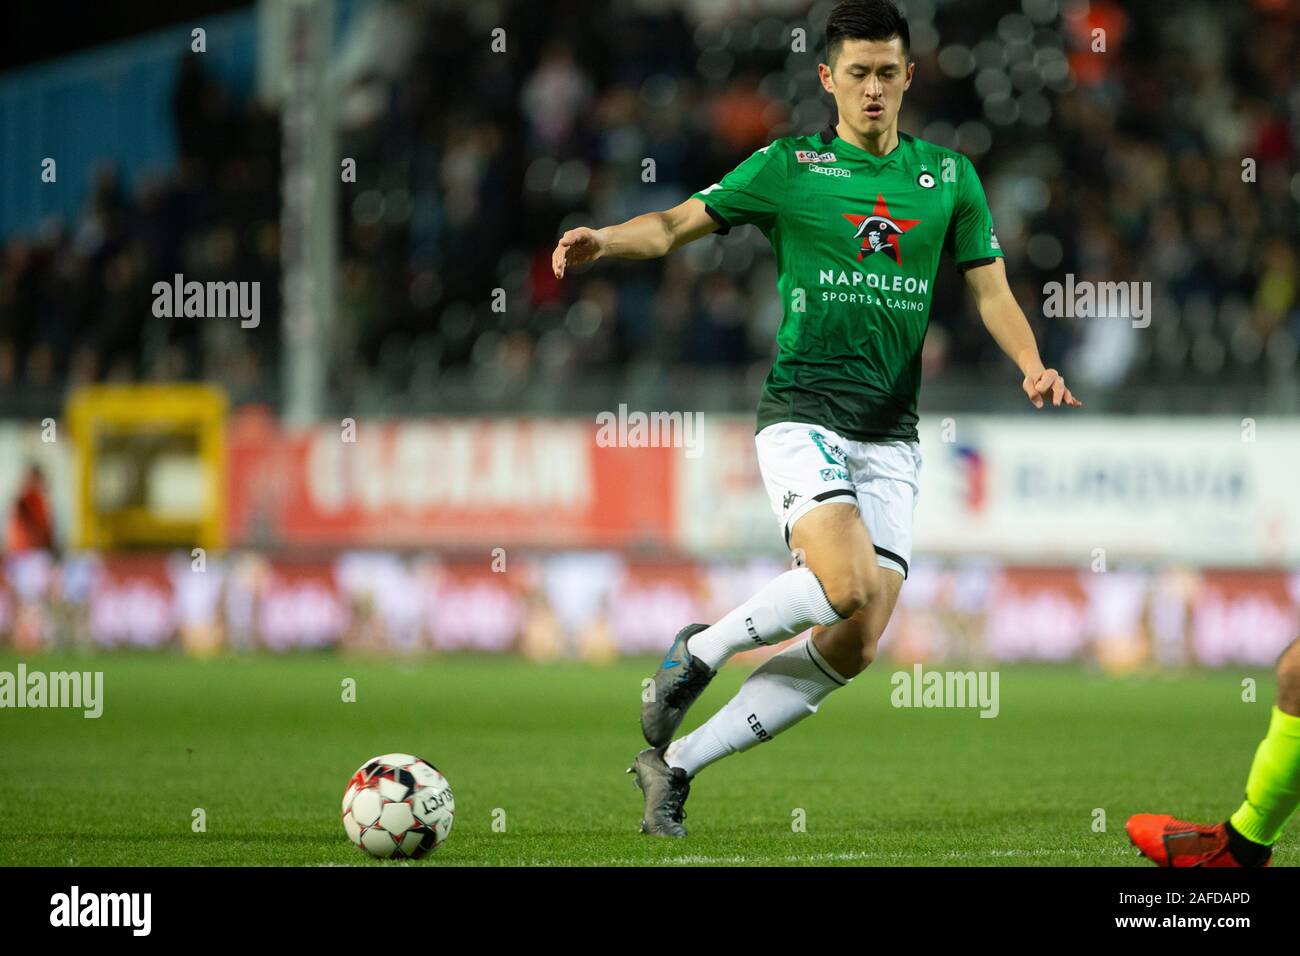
(398, 806)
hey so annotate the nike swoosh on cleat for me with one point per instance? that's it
(667, 666)
(669, 656)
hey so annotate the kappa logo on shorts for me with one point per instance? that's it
(789, 499)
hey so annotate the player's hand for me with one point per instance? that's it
(576, 247)
(1049, 383)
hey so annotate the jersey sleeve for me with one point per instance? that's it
(750, 193)
(971, 239)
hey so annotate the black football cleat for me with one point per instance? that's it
(680, 679)
(666, 789)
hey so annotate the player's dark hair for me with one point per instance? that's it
(866, 20)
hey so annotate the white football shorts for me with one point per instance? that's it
(805, 465)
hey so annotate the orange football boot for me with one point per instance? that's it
(1167, 841)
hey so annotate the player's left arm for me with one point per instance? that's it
(1007, 324)
(975, 248)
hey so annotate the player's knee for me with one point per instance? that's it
(846, 594)
(1288, 678)
(852, 587)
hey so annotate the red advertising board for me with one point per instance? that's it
(455, 483)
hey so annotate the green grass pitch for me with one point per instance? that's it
(265, 746)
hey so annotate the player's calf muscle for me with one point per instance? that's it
(850, 646)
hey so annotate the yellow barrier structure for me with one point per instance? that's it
(150, 465)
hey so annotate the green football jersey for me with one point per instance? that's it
(857, 240)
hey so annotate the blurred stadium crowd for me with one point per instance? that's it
(596, 606)
(1122, 165)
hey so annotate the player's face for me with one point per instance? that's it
(867, 80)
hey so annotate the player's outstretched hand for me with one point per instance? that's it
(1049, 383)
(576, 247)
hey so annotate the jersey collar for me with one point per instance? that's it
(828, 136)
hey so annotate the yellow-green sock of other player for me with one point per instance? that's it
(1273, 787)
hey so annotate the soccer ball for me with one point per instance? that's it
(398, 806)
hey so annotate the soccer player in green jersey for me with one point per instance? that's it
(858, 216)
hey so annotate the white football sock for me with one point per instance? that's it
(783, 691)
(786, 605)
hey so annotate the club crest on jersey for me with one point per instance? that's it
(879, 231)
(812, 156)
(925, 180)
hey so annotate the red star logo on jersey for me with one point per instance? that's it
(879, 232)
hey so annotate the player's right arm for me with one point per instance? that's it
(644, 237)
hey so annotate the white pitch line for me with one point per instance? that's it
(837, 857)
(698, 859)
